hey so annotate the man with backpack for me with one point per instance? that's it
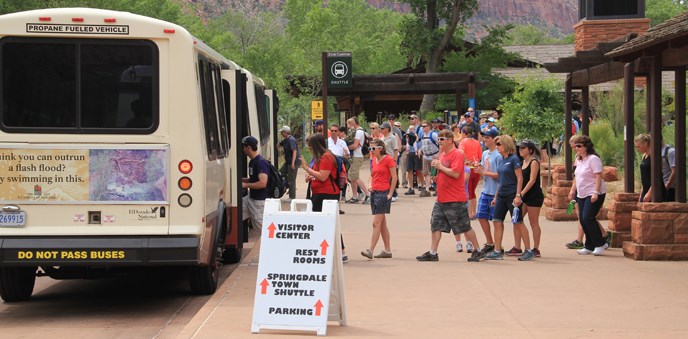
(292, 160)
(256, 183)
(428, 150)
(357, 147)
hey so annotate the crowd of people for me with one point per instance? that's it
(448, 162)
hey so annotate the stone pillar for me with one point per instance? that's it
(620, 217)
(556, 199)
(659, 231)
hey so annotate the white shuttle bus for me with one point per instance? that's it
(120, 148)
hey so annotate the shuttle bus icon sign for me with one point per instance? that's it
(339, 69)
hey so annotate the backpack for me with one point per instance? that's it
(277, 182)
(365, 146)
(341, 177)
(427, 147)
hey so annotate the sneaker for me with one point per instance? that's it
(432, 188)
(459, 246)
(341, 212)
(427, 256)
(410, 192)
(608, 239)
(366, 200)
(494, 255)
(345, 258)
(469, 247)
(434, 194)
(514, 252)
(367, 253)
(574, 245)
(527, 256)
(424, 193)
(487, 248)
(475, 257)
(404, 185)
(600, 250)
(536, 252)
(384, 255)
(584, 251)
(394, 199)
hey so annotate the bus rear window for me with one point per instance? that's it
(78, 86)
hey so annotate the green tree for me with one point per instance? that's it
(481, 58)
(535, 109)
(530, 35)
(430, 30)
(661, 10)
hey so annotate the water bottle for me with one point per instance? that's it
(515, 215)
(433, 171)
(569, 209)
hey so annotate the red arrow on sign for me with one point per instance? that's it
(318, 307)
(272, 229)
(323, 247)
(264, 286)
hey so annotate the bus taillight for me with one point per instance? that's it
(185, 166)
(184, 183)
(44, 18)
(77, 19)
(110, 20)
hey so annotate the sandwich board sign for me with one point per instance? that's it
(300, 283)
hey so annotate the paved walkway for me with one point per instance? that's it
(560, 295)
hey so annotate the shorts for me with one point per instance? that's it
(379, 204)
(427, 164)
(473, 181)
(355, 169)
(450, 216)
(253, 209)
(411, 160)
(534, 198)
(485, 208)
(504, 204)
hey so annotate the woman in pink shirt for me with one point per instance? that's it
(589, 191)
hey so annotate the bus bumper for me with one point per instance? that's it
(99, 251)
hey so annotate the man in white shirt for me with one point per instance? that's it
(336, 144)
(357, 162)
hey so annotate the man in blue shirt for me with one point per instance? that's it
(292, 160)
(488, 169)
(257, 182)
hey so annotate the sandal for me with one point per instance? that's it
(352, 201)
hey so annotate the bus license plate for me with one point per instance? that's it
(12, 219)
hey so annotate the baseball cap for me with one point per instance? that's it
(413, 116)
(391, 116)
(249, 141)
(490, 120)
(468, 114)
(385, 125)
(318, 122)
(490, 133)
(285, 129)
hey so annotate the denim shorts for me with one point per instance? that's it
(450, 216)
(485, 208)
(379, 204)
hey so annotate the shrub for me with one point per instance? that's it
(609, 147)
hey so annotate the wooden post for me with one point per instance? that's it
(458, 102)
(680, 125)
(585, 110)
(629, 131)
(656, 122)
(648, 102)
(567, 129)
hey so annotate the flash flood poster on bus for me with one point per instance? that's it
(98, 175)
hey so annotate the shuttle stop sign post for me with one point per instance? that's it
(300, 282)
(339, 72)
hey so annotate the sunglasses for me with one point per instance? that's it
(498, 144)
(334, 130)
(442, 139)
(579, 146)
(377, 147)
(424, 126)
(373, 128)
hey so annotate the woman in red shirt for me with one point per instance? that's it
(322, 173)
(383, 179)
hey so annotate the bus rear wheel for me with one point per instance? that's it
(16, 283)
(204, 279)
